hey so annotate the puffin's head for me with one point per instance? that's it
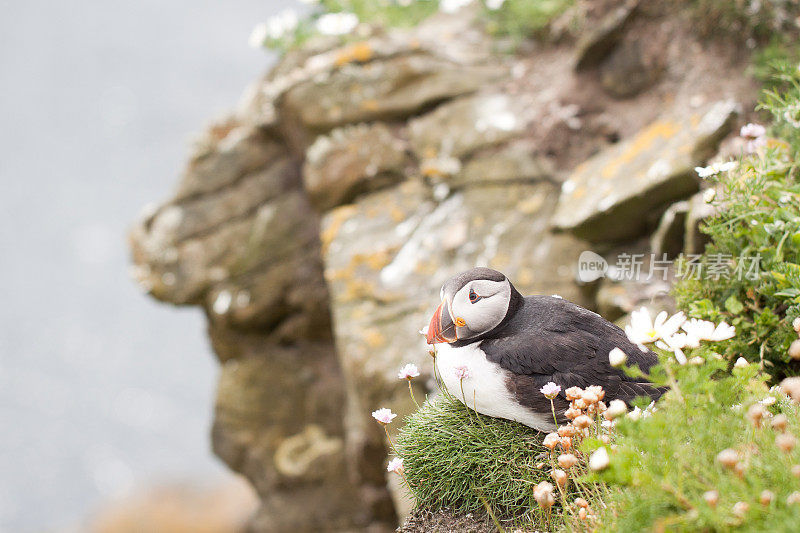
(473, 302)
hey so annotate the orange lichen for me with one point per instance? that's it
(432, 170)
(661, 129)
(530, 205)
(579, 192)
(336, 218)
(355, 53)
(370, 105)
(362, 52)
(374, 338)
(397, 214)
(375, 260)
(356, 289)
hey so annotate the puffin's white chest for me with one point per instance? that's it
(485, 389)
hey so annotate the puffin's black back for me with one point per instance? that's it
(545, 338)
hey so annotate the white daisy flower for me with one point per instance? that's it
(675, 344)
(716, 168)
(451, 6)
(722, 332)
(336, 23)
(643, 330)
(704, 330)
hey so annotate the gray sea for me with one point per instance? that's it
(102, 390)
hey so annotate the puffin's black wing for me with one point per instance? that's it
(551, 339)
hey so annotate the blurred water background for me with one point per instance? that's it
(102, 391)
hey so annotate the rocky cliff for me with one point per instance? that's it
(316, 223)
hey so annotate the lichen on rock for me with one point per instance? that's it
(611, 196)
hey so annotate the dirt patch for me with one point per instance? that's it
(444, 521)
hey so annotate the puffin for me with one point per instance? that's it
(495, 350)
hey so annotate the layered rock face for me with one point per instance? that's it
(316, 223)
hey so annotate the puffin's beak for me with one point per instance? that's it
(441, 328)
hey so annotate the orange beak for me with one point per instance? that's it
(441, 327)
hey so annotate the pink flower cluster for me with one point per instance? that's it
(755, 135)
(461, 372)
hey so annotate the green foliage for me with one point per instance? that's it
(517, 19)
(782, 100)
(381, 13)
(521, 19)
(667, 462)
(386, 13)
(780, 53)
(758, 220)
(458, 459)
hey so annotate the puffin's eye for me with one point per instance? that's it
(473, 296)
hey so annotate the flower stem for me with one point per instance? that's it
(475, 405)
(397, 453)
(405, 480)
(464, 397)
(553, 410)
(411, 391)
(673, 383)
(391, 443)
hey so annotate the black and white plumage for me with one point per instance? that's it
(513, 345)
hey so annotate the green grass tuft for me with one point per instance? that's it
(457, 459)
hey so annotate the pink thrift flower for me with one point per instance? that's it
(550, 390)
(752, 131)
(755, 134)
(752, 146)
(395, 465)
(410, 371)
(461, 372)
(383, 415)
